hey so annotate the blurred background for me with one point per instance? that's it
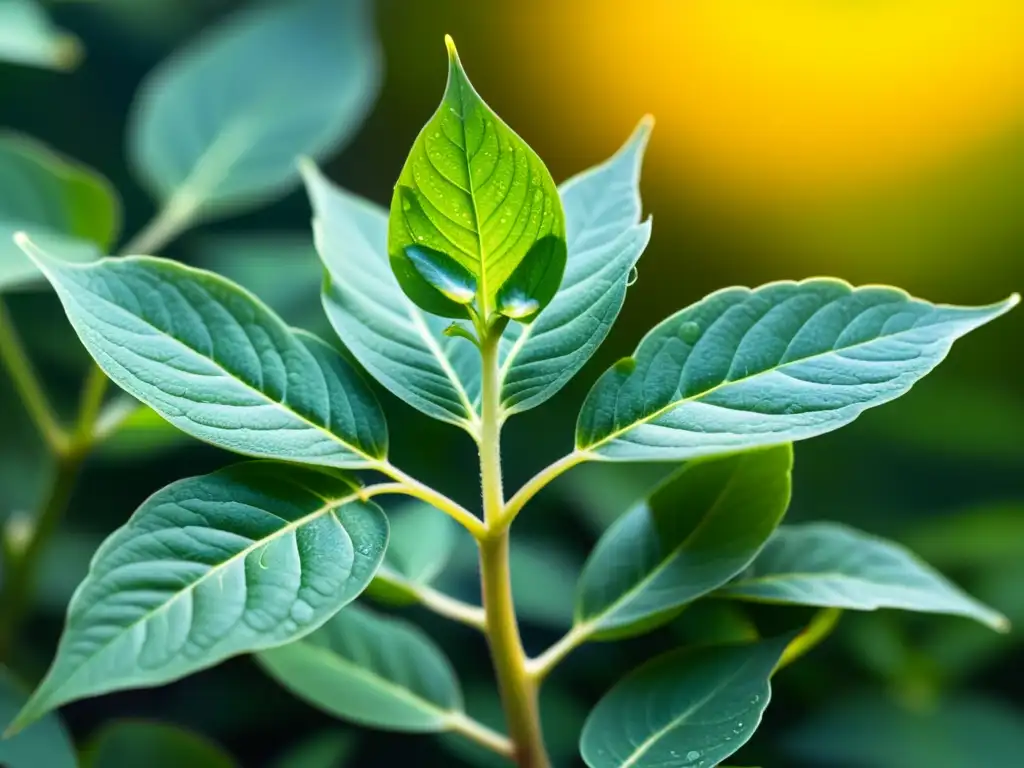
(881, 141)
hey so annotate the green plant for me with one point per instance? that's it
(478, 297)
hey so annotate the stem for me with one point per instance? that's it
(518, 691)
(27, 384)
(410, 486)
(538, 482)
(541, 666)
(456, 610)
(169, 222)
(481, 734)
(816, 632)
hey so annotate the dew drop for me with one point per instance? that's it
(692, 755)
(406, 205)
(689, 332)
(420, 238)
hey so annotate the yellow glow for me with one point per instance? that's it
(795, 96)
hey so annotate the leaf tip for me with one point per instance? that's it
(449, 43)
(1013, 300)
(1000, 624)
(625, 366)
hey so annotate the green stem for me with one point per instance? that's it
(517, 688)
(538, 482)
(173, 219)
(27, 384)
(481, 734)
(813, 635)
(541, 666)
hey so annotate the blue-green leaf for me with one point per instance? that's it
(27, 36)
(45, 743)
(56, 201)
(250, 557)
(827, 564)
(699, 529)
(474, 190)
(402, 346)
(605, 240)
(421, 543)
(372, 670)
(217, 363)
(783, 362)
(128, 743)
(686, 709)
(219, 126)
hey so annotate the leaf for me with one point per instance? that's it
(57, 201)
(688, 708)
(154, 745)
(130, 430)
(535, 281)
(827, 564)
(219, 126)
(218, 364)
(784, 362)
(27, 36)
(250, 557)
(373, 670)
(421, 543)
(699, 529)
(542, 582)
(982, 537)
(605, 239)
(472, 189)
(328, 749)
(46, 743)
(869, 731)
(402, 346)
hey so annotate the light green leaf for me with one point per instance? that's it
(471, 188)
(57, 201)
(27, 36)
(784, 362)
(329, 749)
(422, 539)
(219, 126)
(402, 346)
(217, 363)
(250, 557)
(827, 564)
(128, 743)
(45, 743)
(372, 670)
(605, 239)
(688, 708)
(699, 529)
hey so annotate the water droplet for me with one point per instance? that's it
(634, 275)
(689, 332)
(692, 755)
(406, 205)
(420, 238)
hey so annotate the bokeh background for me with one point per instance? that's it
(881, 141)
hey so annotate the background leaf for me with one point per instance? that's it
(249, 557)
(826, 564)
(471, 188)
(219, 126)
(685, 709)
(128, 743)
(56, 201)
(782, 362)
(373, 670)
(329, 749)
(605, 239)
(27, 36)
(700, 528)
(421, 542)
(45, 743)
(217, 363)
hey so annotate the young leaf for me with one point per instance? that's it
(219, 126)
(534, 282)
(56, 201)
(783, 362)
(472, 189)
(153, 745)
(27, 36)
(218, 364)
(45, 743)
(327, 749)
(421, 542)
(250, 557)
(404, 348)
(443, 273)
(372, 670)
(826, 564)
(685, 709)
(699, 529)
(605, 239)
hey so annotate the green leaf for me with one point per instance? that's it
(217, 363)
(827, 564)
(55, 200)
(688, 708)
(605, 240)
(543, 576)
(46, 743)
(129, 743)
(27, 36)
(328, 749)
(402, 346)
(422, 539)
(373, 670)
(472, 189)
(535, 281)
(699, 529)
(443, 273)
(219, 126)
(783, 362)
(130, 430)
(250, 557)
